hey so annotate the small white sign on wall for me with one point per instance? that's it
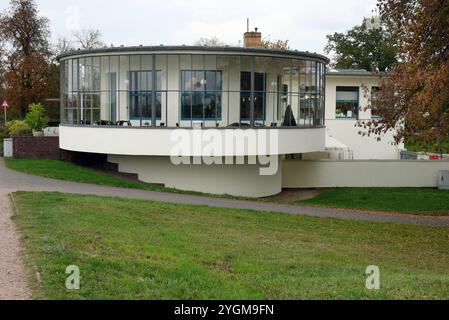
(7, 148)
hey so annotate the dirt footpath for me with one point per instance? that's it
(13, 278)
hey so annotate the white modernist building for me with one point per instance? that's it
(141, 105)
(350, 99)
(217, 120)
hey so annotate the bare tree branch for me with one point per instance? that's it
(63, 45)
(89, 39)
(210, 42)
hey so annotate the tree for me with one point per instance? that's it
(63, 45)
(2, 71)
(369, 46)
(276, 44)
(210, 42)
(89, 39)
(35, 118)
(27, 56)
(414, 97)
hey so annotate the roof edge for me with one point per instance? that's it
(355, 73)
(291, 53)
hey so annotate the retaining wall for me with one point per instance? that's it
(369, 173)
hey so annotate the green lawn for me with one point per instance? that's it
(420, 147)
(68, 171)
(129, 249)
(405, 200)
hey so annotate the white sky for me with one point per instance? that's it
(149, 22)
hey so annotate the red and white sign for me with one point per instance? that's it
(434, 157)
(5, 104)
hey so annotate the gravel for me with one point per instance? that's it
(13, 277)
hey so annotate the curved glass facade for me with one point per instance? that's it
(217, 90)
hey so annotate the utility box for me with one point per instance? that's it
(443, 180)
(7, 148)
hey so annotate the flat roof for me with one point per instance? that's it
(353, 72)
(229, 50)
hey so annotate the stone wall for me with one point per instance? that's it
(36, 147)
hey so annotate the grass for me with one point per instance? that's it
(71, 172)
(129, 249)
(68, 171)
(420, 147)
(404, 200)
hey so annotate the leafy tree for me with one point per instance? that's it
(35, 118)
(369, 46)
(28, 54)
(276, 44)
(414, 97)
(2, 72)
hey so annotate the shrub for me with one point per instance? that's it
(3, 133)
(18, 128)
(35, 118)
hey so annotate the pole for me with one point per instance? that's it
(5, 115)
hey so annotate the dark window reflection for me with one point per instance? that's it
(259, 96)
(141, 95)
(201, 95)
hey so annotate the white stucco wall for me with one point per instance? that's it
(237, 180)
(363, 147)
(330, 174)
(345, 130)
(157, 142)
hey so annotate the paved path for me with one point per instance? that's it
(18, 181)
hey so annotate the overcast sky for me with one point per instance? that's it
(148, 22)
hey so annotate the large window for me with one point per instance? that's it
(347, 102)
(259, 96)
(201, 95)
(141, 96)
(192, 87)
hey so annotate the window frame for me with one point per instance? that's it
(216, 93)
(356, 102)
(143, 93)
(257, 93)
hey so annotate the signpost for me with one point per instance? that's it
(5, 106)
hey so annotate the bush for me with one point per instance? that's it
(3, 133)
(35, 118)
(18, 128)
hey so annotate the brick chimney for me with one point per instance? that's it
(253, 39)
